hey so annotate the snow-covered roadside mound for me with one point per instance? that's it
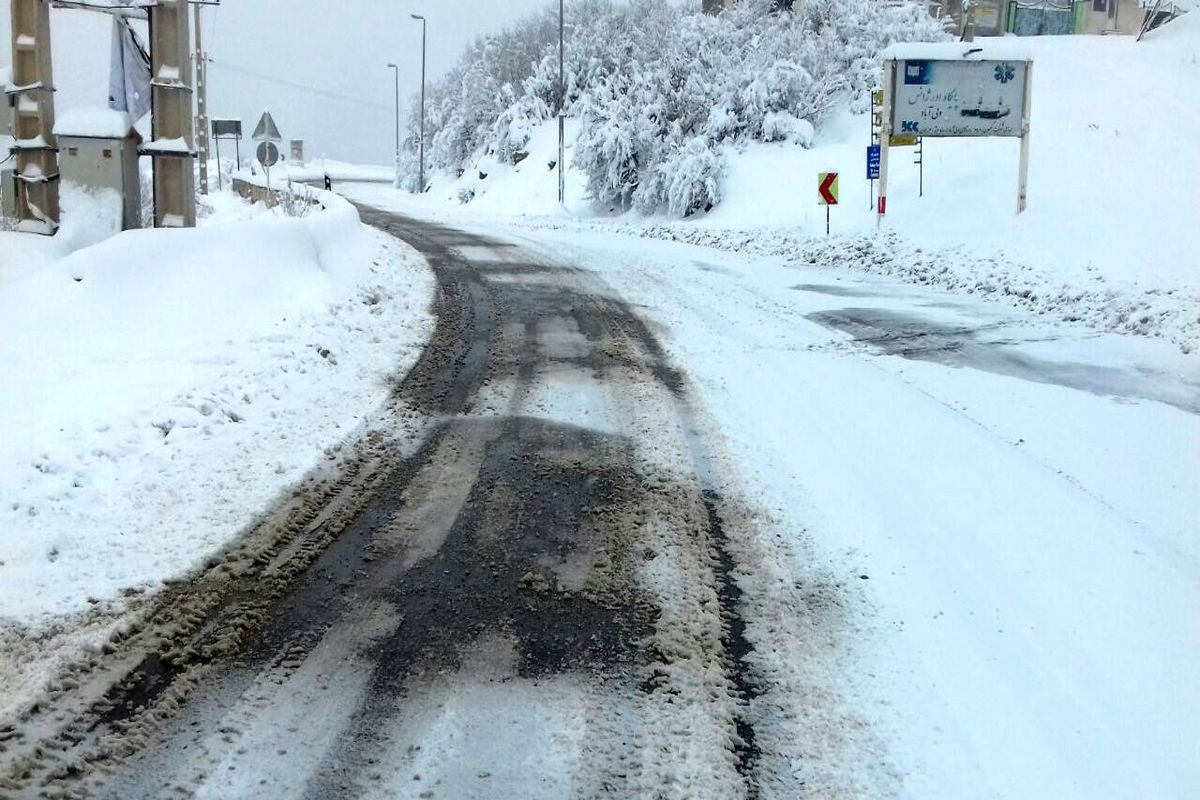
(1168, 312)
(88, 216)
(163, 387)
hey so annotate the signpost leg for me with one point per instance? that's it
(885, 139)
(217, 144)
(1023, 179)
(921, 166)
(826, 220)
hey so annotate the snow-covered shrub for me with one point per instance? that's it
(658, 87)
(782, 126)
(297, 200)
(515, 126)
(693, 178)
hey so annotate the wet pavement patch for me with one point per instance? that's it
(920, 338)
(835, 290)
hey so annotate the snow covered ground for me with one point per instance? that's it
(1109, 238)
(1006, 499)
(164, 387)
(982, 427)
(1008, 506)
(1029, 541)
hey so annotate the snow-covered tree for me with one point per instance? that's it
(661, 91)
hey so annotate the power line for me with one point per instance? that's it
(297, 86)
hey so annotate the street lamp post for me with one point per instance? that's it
(396, 70)
(421, 185)
(562, 134)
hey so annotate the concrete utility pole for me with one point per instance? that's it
(33, 117)
(421, 185)
(173, 141)
(202, 105)
(396, 69)
(562, 118)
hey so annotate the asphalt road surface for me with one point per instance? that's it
(522, 586)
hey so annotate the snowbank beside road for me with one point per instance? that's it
(88, 216)
(164, 386)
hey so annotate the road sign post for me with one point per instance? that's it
(268, 136)
(227, 129)
(885, 138)
(827, 193)
(921, 167)
(873, 163)
(1023, 176)
(266, 130)
(268, 156)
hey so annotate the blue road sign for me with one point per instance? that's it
(873, 162)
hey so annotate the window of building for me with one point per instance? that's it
(1099, 5)
(107, 153)
(72, 151)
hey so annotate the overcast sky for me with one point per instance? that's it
(267, 50)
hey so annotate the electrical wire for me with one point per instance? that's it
(297, 86)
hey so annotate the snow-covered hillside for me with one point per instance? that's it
(1108, 239)
(659, 88)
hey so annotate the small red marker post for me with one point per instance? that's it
(827, 193)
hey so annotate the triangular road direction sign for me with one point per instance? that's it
(266, 131)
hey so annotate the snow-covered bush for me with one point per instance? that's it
(783, 126)
(660, 89)
(693, 175)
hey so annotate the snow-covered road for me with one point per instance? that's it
(659, 521)
(1018, 503)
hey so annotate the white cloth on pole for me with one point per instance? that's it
(129, 76)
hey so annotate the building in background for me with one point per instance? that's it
(1055, 17)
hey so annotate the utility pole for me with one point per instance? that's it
(172, 145)
(32, 96)
(396, 70)
(421, 185)
(562, 118)
(202, 105)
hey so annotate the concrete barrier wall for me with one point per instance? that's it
(256, 193)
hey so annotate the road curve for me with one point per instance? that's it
(523, 588)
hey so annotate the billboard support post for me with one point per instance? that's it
(1023, 178)
(885, 138)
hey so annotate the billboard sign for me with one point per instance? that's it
(959, 98)
(227, 127)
